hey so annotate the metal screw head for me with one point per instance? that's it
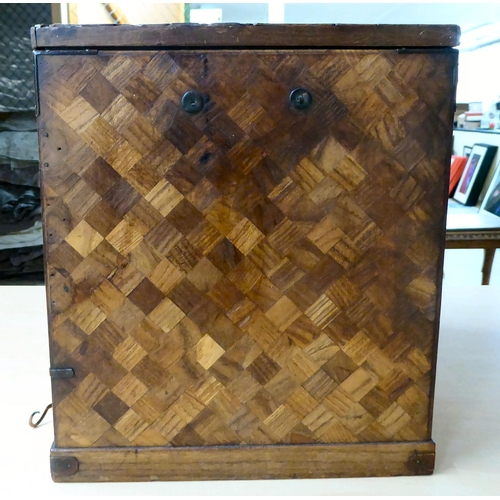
(301, 98)
(192, 102)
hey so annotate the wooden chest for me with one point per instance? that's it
(244, 231)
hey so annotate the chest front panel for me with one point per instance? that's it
(252, 273)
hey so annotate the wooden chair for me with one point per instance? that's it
(469, 227)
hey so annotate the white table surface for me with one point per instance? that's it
(466, 417)
(460, 216)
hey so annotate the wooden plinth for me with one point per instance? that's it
(252, 462)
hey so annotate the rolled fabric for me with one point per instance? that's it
(27, 238)
(15, 261)
(18, 203)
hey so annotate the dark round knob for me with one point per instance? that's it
(192, 102)
(301, 98)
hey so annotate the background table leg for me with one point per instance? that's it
(489, 255)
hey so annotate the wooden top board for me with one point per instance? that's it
(244, 35)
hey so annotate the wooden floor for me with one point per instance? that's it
(466, 423)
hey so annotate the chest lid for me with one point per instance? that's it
(244, 36)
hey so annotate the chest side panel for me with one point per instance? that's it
(253, 273)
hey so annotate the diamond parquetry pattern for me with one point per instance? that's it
(252, 274)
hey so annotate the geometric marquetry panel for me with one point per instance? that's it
(252, 274)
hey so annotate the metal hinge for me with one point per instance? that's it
(62, 372)
(35, 74)
(424, 50)
(455, 75)
(422, 463)
(68, 52)
(64, 466)
(55, 373)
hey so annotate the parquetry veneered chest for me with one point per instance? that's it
(244, 231)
